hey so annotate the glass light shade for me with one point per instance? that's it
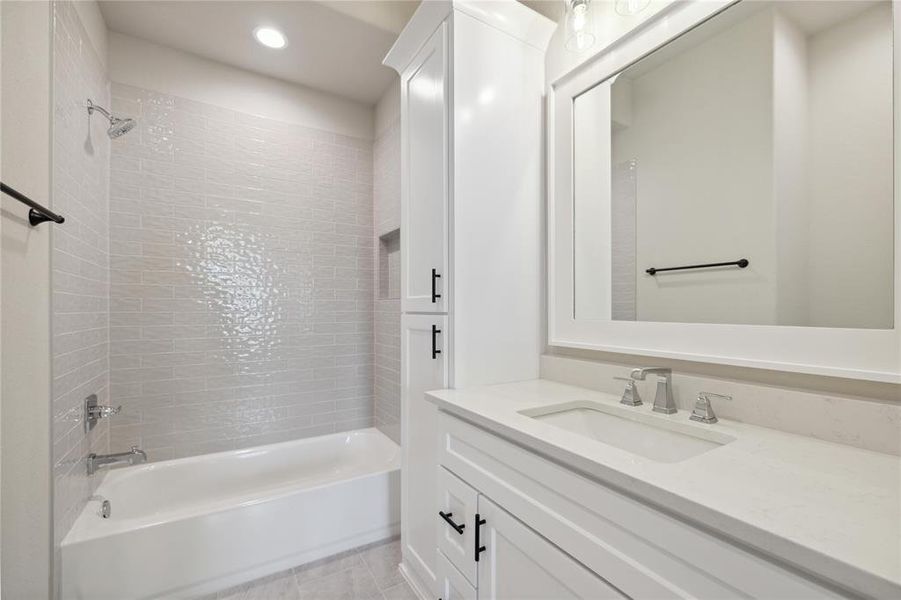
(579, 34)
(627, 8)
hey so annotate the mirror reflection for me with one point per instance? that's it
(762, 142)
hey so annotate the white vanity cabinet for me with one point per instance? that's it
(471, 87)
(517, 563)
(486, 553)
(549, 532)
(458, 504)
(451, 583)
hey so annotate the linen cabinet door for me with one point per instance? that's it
(423, 368)
(424, 178)
(519, 564)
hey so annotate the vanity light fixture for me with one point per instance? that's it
(270, 37)
(627, 8)
(579, 36)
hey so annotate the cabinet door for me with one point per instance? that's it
(423, 368)
(519, 564)
(452, 585)
(458, 503)
(424, 179)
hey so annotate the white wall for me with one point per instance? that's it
(790, 133)
(591, 138)
(25, 154)
(387, 110)
(850, 189)
(146, 65)
(94, 26)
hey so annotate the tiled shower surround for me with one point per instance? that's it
(386, 194)
(80, 262)
(242, 273)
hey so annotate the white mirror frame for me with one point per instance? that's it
(866, 354)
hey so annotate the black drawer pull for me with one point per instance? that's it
(479, 548)
(435, 350)
(435, 294)
(447, 517)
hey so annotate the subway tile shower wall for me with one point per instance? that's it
(242, 276)
(80, 262)
(386, 193)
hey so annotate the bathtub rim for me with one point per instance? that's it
(85, 528)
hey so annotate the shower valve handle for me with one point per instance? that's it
(101, 411)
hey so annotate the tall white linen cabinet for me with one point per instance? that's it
(472, 81)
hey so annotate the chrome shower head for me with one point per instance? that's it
(117, 126)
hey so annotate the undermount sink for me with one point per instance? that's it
(632, 429)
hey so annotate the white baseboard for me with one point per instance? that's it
(415, 584)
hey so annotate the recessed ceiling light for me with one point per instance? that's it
(269, 37)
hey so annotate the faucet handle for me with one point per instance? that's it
(630, 394)
(101, 411)
(703, 410)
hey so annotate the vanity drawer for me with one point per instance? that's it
(458, 503)
(452, 585)
(642, 551)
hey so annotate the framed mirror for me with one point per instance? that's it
(722, 189)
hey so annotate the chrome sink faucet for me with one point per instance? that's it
(663, 399)
(132, 457)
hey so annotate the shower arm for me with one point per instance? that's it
(92, 107)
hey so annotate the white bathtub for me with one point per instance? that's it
(191, 526)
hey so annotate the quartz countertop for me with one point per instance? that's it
(825, 508)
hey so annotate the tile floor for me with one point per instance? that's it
(367, 573)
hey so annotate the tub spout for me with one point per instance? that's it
(132, 457)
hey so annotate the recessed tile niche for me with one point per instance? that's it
(389, 265)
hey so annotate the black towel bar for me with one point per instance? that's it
(741, 263)
(38, 214)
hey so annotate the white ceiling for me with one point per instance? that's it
(333, 45)
(328, 49)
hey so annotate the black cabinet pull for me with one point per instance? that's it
(435, 350)
(435, 294)
(479, 548)
(447, 517)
